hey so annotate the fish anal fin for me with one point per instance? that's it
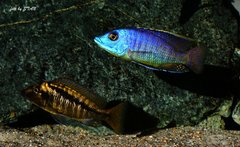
(174, 68)
(146, 66)
(73, 122)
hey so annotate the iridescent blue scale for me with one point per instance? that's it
(158, 51)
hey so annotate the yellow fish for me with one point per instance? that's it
(65, 98)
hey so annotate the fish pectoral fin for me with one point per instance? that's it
(63, 119)
(140, 56)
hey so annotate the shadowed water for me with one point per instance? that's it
(214, 81)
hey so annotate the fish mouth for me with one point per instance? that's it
(101, 44)
(25, 92)
(98, 40)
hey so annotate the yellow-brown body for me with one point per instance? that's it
(63, 97)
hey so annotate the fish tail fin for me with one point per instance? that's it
(126, 118)
(116, 119)
(195, 58)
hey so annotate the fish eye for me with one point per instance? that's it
(36, 90)
(113, 36)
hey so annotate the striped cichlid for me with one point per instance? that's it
(154, 49)
(65, 98)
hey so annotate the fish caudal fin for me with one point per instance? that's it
(195, 59)
(126, 118)
(116, 119)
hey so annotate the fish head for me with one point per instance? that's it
(35, 94)
(114, 42)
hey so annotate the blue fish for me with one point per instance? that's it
(154, 49)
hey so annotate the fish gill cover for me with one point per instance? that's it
(48, 40)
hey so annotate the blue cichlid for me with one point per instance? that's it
(155, 49)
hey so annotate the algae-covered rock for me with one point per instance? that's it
(224, 109)
(236, 113)
(213, 122)
(55, 39)
(216, 120)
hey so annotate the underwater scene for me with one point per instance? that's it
(120, 73)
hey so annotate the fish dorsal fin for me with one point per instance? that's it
(89, 94)
(178, 42)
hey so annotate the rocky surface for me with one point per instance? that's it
(53, 40)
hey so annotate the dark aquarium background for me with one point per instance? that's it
(46, 40)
